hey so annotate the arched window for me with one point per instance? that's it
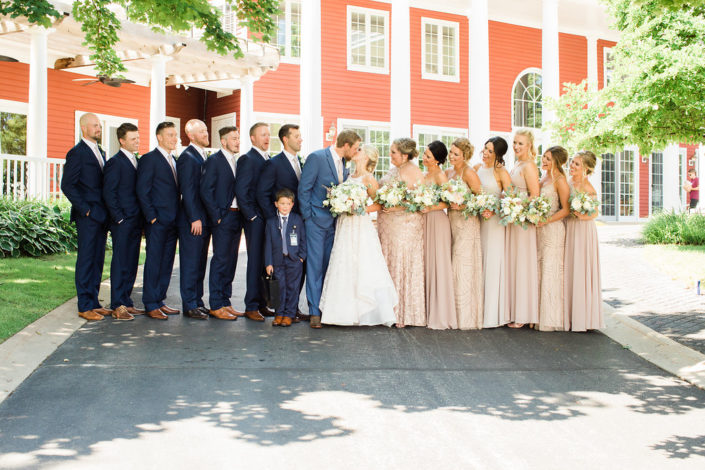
(527, 101)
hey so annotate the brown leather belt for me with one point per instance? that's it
(234, 209)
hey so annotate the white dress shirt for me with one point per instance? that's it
(338, 163)
(264, 154)
(293, 159)
(96, 151)
(131, 156)
(201, 152)
(232, 159)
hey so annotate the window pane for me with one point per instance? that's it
(527, 101)
(358, 38)
(380, 139)
(656, 181)
(608, 185)
(377, 41)
(279, 37)
(448, 51)
(431, 38)
(275, 145)
(295, 29)
(13, 133)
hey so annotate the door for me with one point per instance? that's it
(619, 191)
(217, 123)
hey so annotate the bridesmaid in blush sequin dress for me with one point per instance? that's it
(400, 233)
(551, 240)
(522, 257)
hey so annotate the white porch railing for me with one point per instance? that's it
(24, 177)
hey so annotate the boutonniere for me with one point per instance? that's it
(347, 164)
(302, 160)
(207, 153)
(137, 155)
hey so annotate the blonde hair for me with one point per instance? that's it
(559, 155)
(372, 155)
(406, 146)
(465, 146)
(589, 160)
(529, 135)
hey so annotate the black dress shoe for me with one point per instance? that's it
(197, 314)
(204, 310)
(266, 312)
(301, 317)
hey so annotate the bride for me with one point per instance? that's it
(358, 289)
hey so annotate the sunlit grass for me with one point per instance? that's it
(685, 263)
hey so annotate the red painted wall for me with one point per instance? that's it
(14, 81)
(512, 49)
(349, 94)
(644, 188)
(278, 91)
(572, 53)
(185, 105)
(218, 106)
(436, 102)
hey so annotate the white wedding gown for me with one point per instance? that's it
(358, 289)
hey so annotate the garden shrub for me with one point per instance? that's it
(675, 228)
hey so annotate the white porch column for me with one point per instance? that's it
(549, 61)
(400, 71)
(592, 61)
(37, 112)
(246, 113)
(157, 95)
(671, 185)
(310, 78)
(479, 93)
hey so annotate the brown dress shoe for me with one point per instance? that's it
(157, 315)
(102, 311)
(121, 314)
(169, 310)
(135, 311)
(286, 321)
(254, 315)
(316, 322)
(277, 320)
(232, 311)
(222, 314)
(90, 315)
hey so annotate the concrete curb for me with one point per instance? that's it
(656, 348)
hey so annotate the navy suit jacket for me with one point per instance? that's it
(82, 183)
(189, 168)
(157, 190)
(276, 175)
(218, 186)
(249, 168)
(273, 250)
(119, 187)
(317, 175)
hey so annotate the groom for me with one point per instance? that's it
(323, 168)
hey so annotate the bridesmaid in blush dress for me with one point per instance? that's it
(551, 239)
(494, 179)
(467, 245)
(400, 233)
(583, 291)
(440, 300)
(522, 257)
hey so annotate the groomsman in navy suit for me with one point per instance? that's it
(194, 230)
(249, 170)
(324, 168)
(82, 183)
(225, 218)
(280, 172)
(119, 192)
(158, 194)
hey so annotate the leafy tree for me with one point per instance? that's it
(101, 25)
(657, 94)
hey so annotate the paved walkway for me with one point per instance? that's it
(636, 288)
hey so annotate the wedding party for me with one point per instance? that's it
(434, 243)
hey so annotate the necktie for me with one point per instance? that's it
(133, 160)
(339, 166)
(286, 251)
(99, 156)
(173, 168)
(232, 164)
(297, 167)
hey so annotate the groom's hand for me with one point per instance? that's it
(269, 269)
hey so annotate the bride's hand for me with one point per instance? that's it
(455, 206)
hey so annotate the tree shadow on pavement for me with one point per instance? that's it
(682, 447)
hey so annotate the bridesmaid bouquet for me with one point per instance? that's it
(454, 191)
(347, 198)
(513, 208)
(538, 210)
(391, 194)
(583, 203)
(422, 196)
(486, 202)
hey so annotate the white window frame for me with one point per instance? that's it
(287, 58)
(440, 76)
(380, 126)
(106, 120)
(516, 82)
(274, 118)
(367, 12)
(605, 51)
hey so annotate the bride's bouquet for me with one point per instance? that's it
(422, 196)
(391, 194)
(486, 202)
(347, 198)
(538, 210)
(512, 208)
(583, 203)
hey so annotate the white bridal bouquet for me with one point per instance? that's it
(423, 195)
(486, 202)
(583, 203)
(391, 194)
(347, 198)
(513, 208)
(454, 191)
(538, 210)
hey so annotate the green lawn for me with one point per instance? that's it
(685, 263)
(32, 287)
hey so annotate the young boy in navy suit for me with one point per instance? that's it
(284, 255)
